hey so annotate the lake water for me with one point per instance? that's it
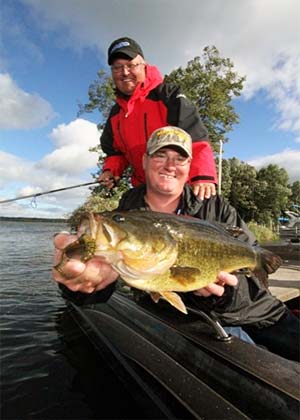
(49, 370)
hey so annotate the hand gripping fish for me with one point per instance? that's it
(164, 254)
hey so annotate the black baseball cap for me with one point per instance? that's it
(124, 46)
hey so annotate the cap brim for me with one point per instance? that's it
(171, 146)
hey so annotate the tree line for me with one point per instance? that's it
(259, 195)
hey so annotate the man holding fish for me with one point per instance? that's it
(238, 300)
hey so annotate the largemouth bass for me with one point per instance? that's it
(164, 254)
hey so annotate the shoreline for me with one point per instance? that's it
(32, 219)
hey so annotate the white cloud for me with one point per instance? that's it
(288, 159)
(13, 168)
(72, 155)
(69, 164)
(20, 109)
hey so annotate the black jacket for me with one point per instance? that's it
(247, 303)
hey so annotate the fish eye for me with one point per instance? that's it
(118, 218)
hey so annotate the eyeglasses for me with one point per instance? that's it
(119, 68)
(162, 157)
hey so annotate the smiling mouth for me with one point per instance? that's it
(167, 176)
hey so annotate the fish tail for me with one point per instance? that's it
(267, 263)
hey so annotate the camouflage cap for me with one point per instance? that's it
(169, 136)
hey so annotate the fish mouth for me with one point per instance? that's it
(107, 236)
(110, 235)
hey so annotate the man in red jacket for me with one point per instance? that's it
(144, 103)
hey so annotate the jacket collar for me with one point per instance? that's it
(189, 204)
(153, 79)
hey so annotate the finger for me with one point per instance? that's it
(75, 285)
(213, 189)
(63, 239)
(207, 191)
(68, 269)
(227, 278)
(202, 292)
(100, 273)
(198, 191)
(106, 180)
(210, 289)
(108, 183)
(215, 289)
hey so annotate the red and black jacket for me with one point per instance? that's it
(154, 104)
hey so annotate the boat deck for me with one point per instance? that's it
(285, 282)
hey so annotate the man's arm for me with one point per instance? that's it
(184, 114)
(115, 162)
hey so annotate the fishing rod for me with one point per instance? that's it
(48, 192)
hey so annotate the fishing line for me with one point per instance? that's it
(33, 201)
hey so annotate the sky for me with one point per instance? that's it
(51, 50)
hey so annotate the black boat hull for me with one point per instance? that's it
(184, 371)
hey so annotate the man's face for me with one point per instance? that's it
(166, 171)
(127, 74)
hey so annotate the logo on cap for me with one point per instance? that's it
(170, 136)
(119, 45)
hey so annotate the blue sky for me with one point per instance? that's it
(51, 50)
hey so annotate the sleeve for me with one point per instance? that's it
(203, 167)
(115, 161)
(184, 114)
(80, 298)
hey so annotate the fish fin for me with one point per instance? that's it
(175, 300)
(184, 275)
(155, 296)
(234, 231)
(268, 263)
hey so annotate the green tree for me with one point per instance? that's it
(294, 199)
(243, 188)
(272, 194)
(101, 96)
(211, 83)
